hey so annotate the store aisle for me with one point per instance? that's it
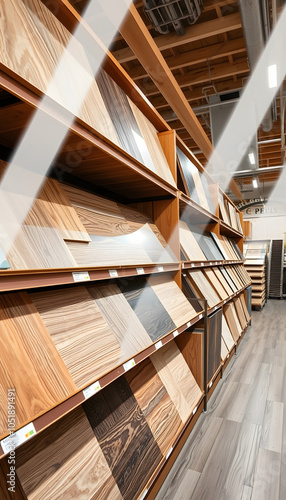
(237, 450)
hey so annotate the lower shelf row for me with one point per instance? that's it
(110, 446)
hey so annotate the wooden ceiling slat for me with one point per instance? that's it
(194, 32)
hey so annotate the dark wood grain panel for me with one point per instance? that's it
(66, 461)
(121, 319)
(124, 436)
(81, 335)
(183, 164)
(177, 378)
(192, 176)
(30, 362)
(214, 342)
(172, 298)
(156, 404)
(147, 307)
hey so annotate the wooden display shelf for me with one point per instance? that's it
(198, 214)
(209, 263)
(35, 278)
(48, 418)
(112, 163)
(229, 230)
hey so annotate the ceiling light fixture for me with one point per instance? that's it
(251, 158)
(272, 76)
(254, 182)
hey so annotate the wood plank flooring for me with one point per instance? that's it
(237, 450)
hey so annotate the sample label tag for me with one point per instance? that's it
(169, 452)
(192, 265)
(129, 364)
(175, 333)
(160, 269)
(227, 356)
(211, 383)
(19, 437)
(113, 273)
(188, 324)
(202, 264)
(158, 344)
(211, 264)
(143, 494)
(91, 390)
(80, 277)
(140, 270)
(195, 409)
(200, 316)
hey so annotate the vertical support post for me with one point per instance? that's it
(206, 355)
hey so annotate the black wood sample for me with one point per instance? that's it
(124, 436)
(147, 307)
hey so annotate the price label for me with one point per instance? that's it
(202, 264)
(14, 440)
(210, 384)
(227, 356)
(140, 270)
(91, 390)
(80, 277)
(175, 333)
(143, 494)
(192, 265)
(113, 273)
(158, 345)
(129, 364)
(169, 452)
(160, 269)
(211, 264)
(188, 324)
(195, 410)
(215, 308)
(200, 316)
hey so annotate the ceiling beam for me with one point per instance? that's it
(193, 33)
(197, 77)
(196, 56)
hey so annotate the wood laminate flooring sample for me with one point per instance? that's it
(38, 58)
(65, 461)
(172, 298)
(204, 286)
(53, 201)
(189, 243)
(124, 436)
(224, 349)
(37, 248)
(147, 307)
(29, 361)
(222, 280)
(192, 177)
(232, 320)
(121, 318)
(244, 306)
(240, 312)
(214, 342)
(177, 378)
(150, 138)
(82, 337)
(228, 279)
(156, 404)
(226, 334)
(220, 246)
(208, 272)
(192, 348)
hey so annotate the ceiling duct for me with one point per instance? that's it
(256, 28)
(164, 14)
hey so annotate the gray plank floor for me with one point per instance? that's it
(237, 450)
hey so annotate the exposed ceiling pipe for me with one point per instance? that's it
(255, 23)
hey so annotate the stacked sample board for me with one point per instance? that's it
(276, 269)
(256, 254)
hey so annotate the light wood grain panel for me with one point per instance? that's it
(37, 248)
(121, 319)
(29, 361)
(172, 298)
(177, 378)
(232, 320)
(216, 283)
(224, 349)
(240, 312)
(191, 345)
(53, 202)
(124, 436)
(226, 334)
(45, 41)
(220, 245)
(150, 137)
(206, 289)
(156, 404)
(82, 337)
(222, 280)
(237, 281)
(69, 465)
(189, 243)
(228, 279)
(147, 307)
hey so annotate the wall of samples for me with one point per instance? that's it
(123, 295)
